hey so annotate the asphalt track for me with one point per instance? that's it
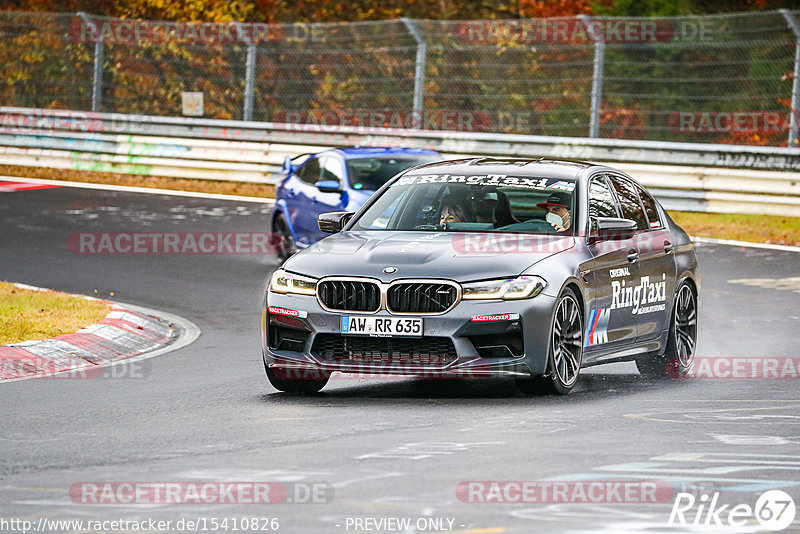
(383, 448)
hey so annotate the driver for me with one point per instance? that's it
(558, 212)
(483, 203)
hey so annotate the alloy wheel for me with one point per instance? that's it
(567, 346)
(685, 326)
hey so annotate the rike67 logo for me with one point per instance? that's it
(774, 510)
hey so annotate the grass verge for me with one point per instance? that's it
(773, 229)
(754, 228)
(26, 314)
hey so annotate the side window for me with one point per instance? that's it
(309, 172)
(601, 200)
(332, 169)
(650, 208)
(629, 202)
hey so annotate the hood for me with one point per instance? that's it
(458, 256)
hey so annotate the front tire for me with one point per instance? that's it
(681, 343)
(282, 238)
(565, 350)
(282, 380)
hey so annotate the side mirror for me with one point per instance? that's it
(330, 186)
(333, 221)
(613, 229)
(288, 167)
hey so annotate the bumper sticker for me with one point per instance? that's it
(500, 317)
(285, 311)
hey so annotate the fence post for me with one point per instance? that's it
(249, 82)
(250, 75)
(419, 70)
(793, 126)
(597, 75)
(99, 49)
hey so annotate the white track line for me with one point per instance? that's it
(131, 189)
(769, 246)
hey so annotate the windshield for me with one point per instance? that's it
(481, 203)
(371, 173)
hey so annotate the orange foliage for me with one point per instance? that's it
(626, 122)
(554, 8)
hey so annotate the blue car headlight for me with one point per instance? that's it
(523, 287)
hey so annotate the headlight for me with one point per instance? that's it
(524, 287)
(283, 282)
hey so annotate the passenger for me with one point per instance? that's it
(558, 212)
(452, 213)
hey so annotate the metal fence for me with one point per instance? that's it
(732, 79)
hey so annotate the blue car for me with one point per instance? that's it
(334, 180)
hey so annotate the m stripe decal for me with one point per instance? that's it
(592, 325)
(598, 333)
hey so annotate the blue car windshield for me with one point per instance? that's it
(371, 173)
(481, 203)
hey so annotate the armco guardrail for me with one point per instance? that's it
(683, 175)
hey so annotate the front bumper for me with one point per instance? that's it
(512, 347)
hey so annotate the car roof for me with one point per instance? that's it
(367, 151)
(561, 168)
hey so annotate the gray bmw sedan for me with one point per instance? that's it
(531, 268)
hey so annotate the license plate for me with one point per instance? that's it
(381, 326)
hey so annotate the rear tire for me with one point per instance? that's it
(282, 238)
(681, 342)
(282, 381)
(565, 350)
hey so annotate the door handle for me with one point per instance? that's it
(667, 247)
(633, 256)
